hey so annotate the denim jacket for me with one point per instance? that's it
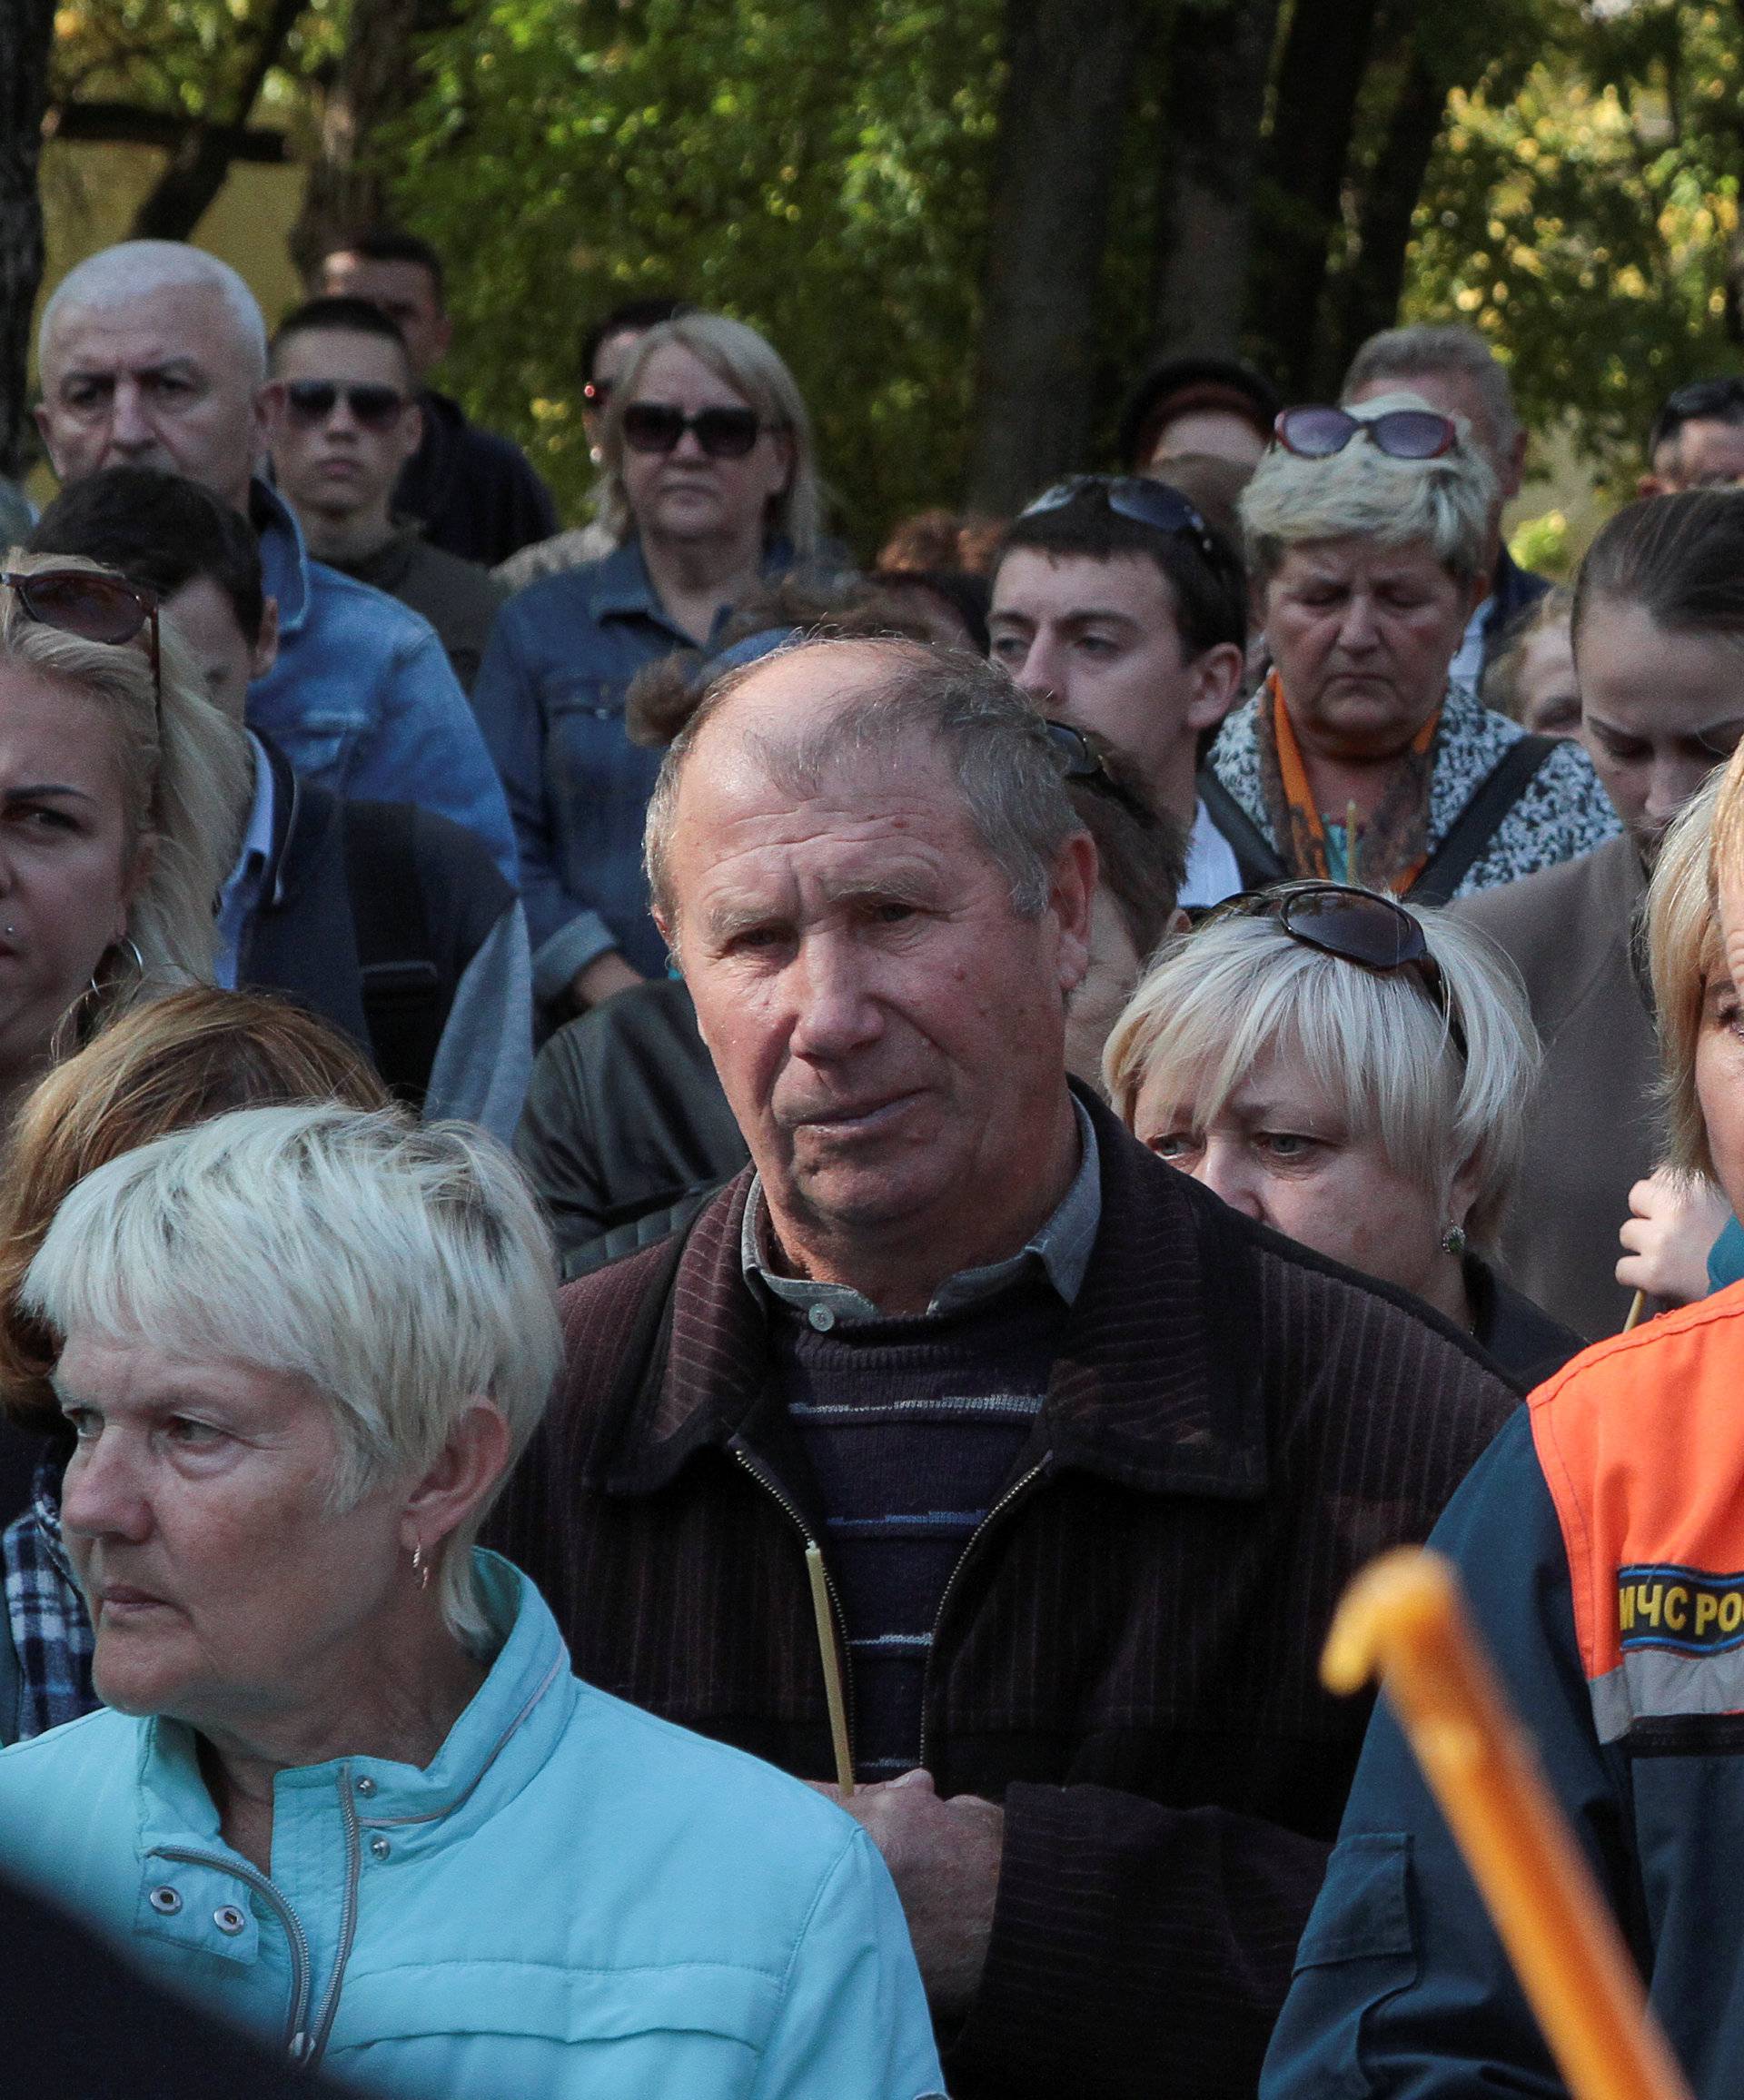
(572, 1901)
(362, 698)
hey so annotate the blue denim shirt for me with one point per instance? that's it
(362, 698)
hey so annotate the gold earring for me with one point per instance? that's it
(420, 1567)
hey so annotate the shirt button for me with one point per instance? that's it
(380, 1847)
(165, 1901)
(366, 1785)
(821, 1318)
(228, 1918)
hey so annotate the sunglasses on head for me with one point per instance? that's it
(722, 433)
(93, 604)
(373, 405)
(1358, 927)
(1318, 432)
(1133, 496)
(1079, 759)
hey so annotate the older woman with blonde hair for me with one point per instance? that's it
(1359, 759)
(122, 790)
(348, 1791)
(1355, 1075)
(709, 476)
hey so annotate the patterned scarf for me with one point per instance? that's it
(1390, 851)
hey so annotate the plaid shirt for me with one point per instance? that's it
(51, 1629)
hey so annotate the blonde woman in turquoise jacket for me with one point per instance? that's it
(346, 1790)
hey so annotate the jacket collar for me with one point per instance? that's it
(301, 817)
(284, 555)
(1156, 1386)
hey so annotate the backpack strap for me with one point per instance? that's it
(406, 1000)
(1477, 823)
(1255, 856)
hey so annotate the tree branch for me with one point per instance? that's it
(105, 122)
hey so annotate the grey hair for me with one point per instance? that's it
(1403, 354)
(1364, 493)
(1217, 1000)
(184, 769)
(403, 1272)
(749, 364)
(134, 270)
(1002, 758)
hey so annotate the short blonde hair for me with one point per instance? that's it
(1364, 493)
(185, 774)
(749, 364)
(402, 1270)
(1217, 1000)
(1684, 953)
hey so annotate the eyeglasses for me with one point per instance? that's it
(1133, 496)
(1357, 925)
(373, 405)
(1079, 759)
(723, 433)
(1318, 432)
(89, 603)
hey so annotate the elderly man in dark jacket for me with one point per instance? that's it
(1088, 1454)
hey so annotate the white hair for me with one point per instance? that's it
(134, 270)
(1364, 493)
(1217, 1000)
(403, 1272)
(1427, 350)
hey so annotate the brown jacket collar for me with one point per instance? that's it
(1155, 1385)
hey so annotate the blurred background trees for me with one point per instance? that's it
(967, 224)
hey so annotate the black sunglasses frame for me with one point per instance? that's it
(373, 405)
(1076, 751)
(1371, 427)
(98, 584)
(1138, 498)
(1287, 902)
(711, 428)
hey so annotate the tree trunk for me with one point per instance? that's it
(1325, 56)
(199, 163)
(27, 27)
(377, 81)
(1071, 64)
(1377, 278)
(1218, 62)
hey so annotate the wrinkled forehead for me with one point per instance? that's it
(180, 323)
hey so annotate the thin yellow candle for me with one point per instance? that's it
(826, 1619)
(1403, 1620)
(1637, 1306)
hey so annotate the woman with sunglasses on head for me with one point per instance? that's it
(709, 480)
(1359, 759)
(121, 795)
(1354, 1075)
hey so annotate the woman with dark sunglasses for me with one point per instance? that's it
(122, 796)
(1360, 758)
(1356, 1076)
(708, 483)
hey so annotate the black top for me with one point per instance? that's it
(1523, 1339)
(474, 490)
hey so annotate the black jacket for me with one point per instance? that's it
(369, 914)
(474, 490)
(458, 598)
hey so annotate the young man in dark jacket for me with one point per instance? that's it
(1089, 1456)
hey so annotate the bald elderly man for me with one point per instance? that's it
(153, 354)
(1089, 1455)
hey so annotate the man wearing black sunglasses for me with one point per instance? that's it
(1697, 441)
(345, 420)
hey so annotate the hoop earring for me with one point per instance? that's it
(419, 1566)
(94, 990)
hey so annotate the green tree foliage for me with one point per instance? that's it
(818, 168)
(1585, 217)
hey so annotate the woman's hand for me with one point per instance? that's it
(1674, 1220)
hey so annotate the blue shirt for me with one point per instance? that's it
(362, 698)
(241, 890)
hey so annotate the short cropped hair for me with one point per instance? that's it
(402, 1270)
(1363, 492)
(186, 778)
(394, 244)
(1702, 400)
(1684, 953)
(116, 277)
(341, 313)
(751, 366)
(1403, 354)
(1209, 590)
(1141, 856)
(1217, 999)
(170, 1062)
(633, 317)
(997, 746)
(1679, 558)
(161, 530)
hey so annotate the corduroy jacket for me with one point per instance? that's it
(1125, 1656)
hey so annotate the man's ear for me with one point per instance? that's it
(1217, 674)
(265, 652)
(44, 423)
(1071, 894)
(1648, 485)
(1516, 472)
(267, 415)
